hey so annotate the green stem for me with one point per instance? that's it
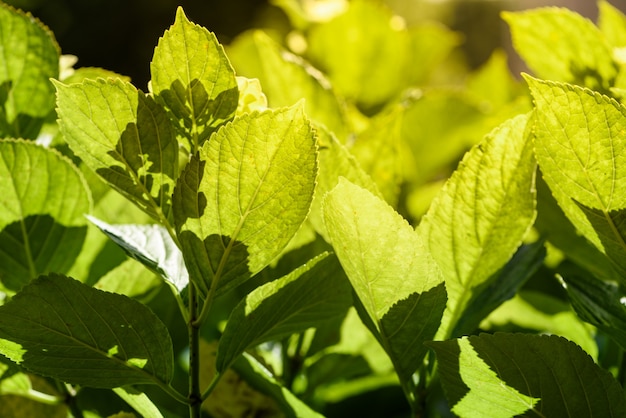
(195, 398)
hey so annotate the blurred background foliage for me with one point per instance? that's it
(120, 35)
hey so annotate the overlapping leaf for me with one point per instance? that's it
(478, 220)
(559, 44)
(244, 195)
(152, 246)
(30, 58)
(59, 327)
(395, 278)
(44, 198)
(125, 137)
(193, 78)
(506, 375)
(304, 298)
(583, 161)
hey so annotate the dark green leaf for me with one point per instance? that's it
(59, 327)
(504, 375)
(305, 298)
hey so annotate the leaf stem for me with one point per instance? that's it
(41, 397)
(195, 398)
(211, 386)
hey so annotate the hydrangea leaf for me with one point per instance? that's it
(42, 224)
(286, 78)
(308, 296)
(30, 59)
(559, 44)
(193, 78)
(396, 280)
(504, 375)
(478, 220)
(583, 161)
(59, 327)
(242, 198)
(125, 137)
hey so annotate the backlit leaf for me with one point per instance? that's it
(286, 78)
(59, 327)
(559, 44)
(243, 197)
(583, 161)
(302, 299)
(478, 220)
(395, 278)
(30, 58)
(125, 137)
(193, 78)
(42, 206)
(505, 375)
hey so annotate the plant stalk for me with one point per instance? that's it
(195, 398)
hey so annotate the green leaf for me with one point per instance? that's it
(132, 279)
(506, 375)
(334, 161)
(139, 401)
(193, 78)
(364, 51)
(395, 278)
(480, 217)
(30, 59)
(243, 197)
(59, 327)
(125, 137)
(306, 297)
(152, 246)
(558, 44)
(533, 310)
(525, 263)
(12, 379)
(44, 198)
(583, 161)
(612, 23)
(599, 303)
(286, 79)
(262, 379)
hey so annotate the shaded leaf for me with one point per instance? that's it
(125, 137)
(43, 200)
(311, 294)
(30, 59)
(395, 278)
(478, 220)
(526, 261)
(243, 197)
(59, 327)
(152, 246)
(504, 375)
(262, 380)
(599, 303)
(550, 41)
(194, 80)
